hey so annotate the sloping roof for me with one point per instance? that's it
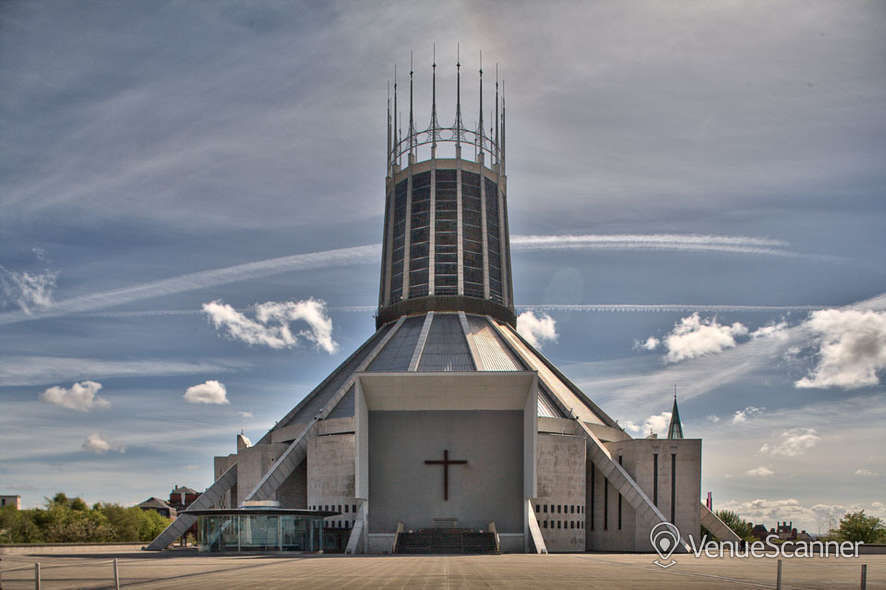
(154, 502)
(448, 341)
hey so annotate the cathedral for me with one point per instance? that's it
(446, 431)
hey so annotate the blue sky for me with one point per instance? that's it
(724, 160)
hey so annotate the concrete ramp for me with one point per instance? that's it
(712, 522)
(207, 499)
(534, 531)
(283, 467)
(356, 533)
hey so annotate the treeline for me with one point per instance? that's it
(854, 526)
(71, 520)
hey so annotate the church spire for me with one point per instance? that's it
(675, 428)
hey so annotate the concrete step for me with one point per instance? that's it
(445, 541)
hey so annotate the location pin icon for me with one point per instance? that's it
(664, 537)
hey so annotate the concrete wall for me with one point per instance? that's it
(559, 506)
(638, 459)
(293, 493)
(220, 465)
(330, 476)
(403, 488)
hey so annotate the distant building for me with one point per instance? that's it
(159, 506)
(181, 497)
(760, 531)
(11, 501)
(784, 530)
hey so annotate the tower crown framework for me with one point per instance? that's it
(446, 242)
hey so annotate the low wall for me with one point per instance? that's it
(29, 548)
(872, 549)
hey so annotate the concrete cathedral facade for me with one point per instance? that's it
(446, 419)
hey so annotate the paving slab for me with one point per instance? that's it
(432, 572)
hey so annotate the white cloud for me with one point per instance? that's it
(743, 415)
(760, 472)
(29, 291)
(245, 414)
(657, 424)
(631, 426)
(793, 442)
(770, 331)
(271, 324)
(714, 418)
(209, 392)
(651, 343)
(96, 443)
(851, 348)
(80, 396)
(866, 473)
(537, 329)
(693, 337)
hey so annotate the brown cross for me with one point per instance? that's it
(446, 462)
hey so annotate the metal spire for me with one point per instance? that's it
(480, 128)
(497, 152)
(411, 119)
(434, 104)
(503, 137)
(388, 155)
(458, 99)
(675, 428)
(396, 154)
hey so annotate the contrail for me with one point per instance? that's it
(372, 252)
(664, 307)
(204, 279)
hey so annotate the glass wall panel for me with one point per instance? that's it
(472, 234)
(446, 249)
(294, 533)
(419, 238)
(493, 241)
(398, 241)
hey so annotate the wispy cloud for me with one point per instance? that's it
(742, 416)
(372, 252)
(761, 471)
(30, 292)
(96, 443)
(663, 307)
(791, 443)
(39, 370)
(205, 279)
(681, 242)
(706, 373)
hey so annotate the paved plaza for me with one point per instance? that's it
(572, 571)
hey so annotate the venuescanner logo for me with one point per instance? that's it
(664, 538)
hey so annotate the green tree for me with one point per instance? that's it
(739, 526)
(855, 526)
(66, 520)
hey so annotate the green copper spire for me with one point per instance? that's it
(675, 428)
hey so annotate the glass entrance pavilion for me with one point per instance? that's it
(260, 529)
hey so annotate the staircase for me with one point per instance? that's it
(443, 541)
